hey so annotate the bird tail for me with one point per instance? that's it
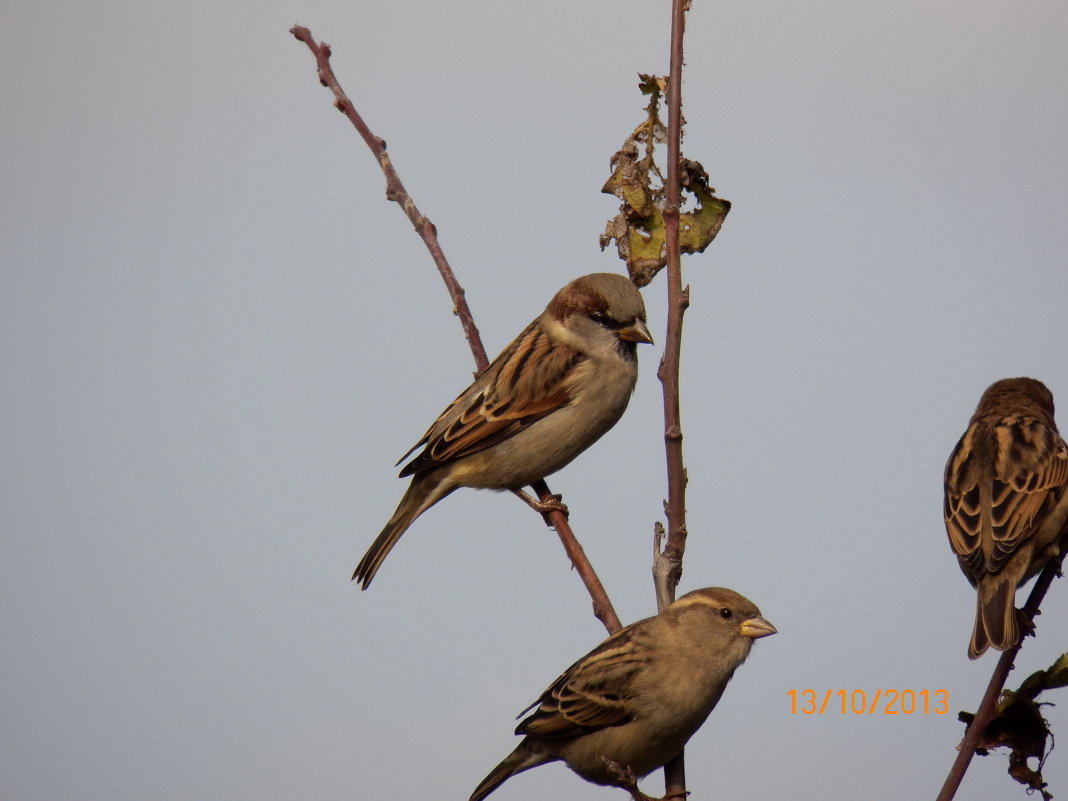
(995, 619)
(421, 494)
(521, 759)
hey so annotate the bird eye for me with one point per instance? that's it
(601, 319)
(726, 614)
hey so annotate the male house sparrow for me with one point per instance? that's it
(561, 384)
(630, 705)
(1006, 502)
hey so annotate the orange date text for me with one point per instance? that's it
(868, 702)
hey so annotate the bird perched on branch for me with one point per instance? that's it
(631, 704)
(561, 384)
(1006, 502)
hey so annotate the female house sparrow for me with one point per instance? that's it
(561, 384)
(630, 705)
(1006, 501)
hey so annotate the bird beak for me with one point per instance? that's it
(757, 627)
(636, 333)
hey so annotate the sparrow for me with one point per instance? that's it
(1006, 502)
(561, 384)
(630, 705)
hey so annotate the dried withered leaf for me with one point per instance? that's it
(651, 84)
(643, 247)
(1053, 677)
(1031, 779)
(629, 181)
(638, 229)
(699, 227)
(1018, 725)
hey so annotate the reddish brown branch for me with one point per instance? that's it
(678, 300)
(988, 706)
(668, 567)
(602, 606)
(395, 191)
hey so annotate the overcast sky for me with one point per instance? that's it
(216, 338)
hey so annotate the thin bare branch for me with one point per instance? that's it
(668, 373)
(988, 706)
(602, 606)
(678, 300)
(395, 191)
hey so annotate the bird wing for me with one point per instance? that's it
(532, 378)
(962, 507)
(591, 694)
(1028, 476)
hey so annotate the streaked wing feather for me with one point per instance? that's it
(961, 505)
(529, 380)
(591, 694)
(1032, 471)
(1030, 475)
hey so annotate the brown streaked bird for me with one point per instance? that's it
(1006, 502)
(630, 705)
(561, 384)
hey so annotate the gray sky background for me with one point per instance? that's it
(217, 337)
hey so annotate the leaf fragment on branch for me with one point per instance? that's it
(638, 229)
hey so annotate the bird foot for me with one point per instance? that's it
(551, 504)
(1026, 624)
(625, 779)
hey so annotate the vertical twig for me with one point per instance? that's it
(678, 301)
(395, 191)
(668, 567)
(988, 706)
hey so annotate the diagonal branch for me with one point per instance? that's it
(988, 706)
(395, 191)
